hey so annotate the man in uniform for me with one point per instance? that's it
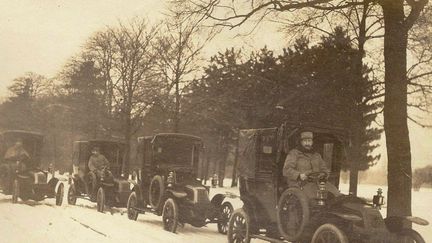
(97, 161)
(303, 160)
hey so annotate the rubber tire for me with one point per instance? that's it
(341, 237)
(411, 234)
(239, 214)
(132, 202)
(170, 203)
(71, 196)
(225, 212)
(59, 194)
(100, 200)
(15, 191)
(304, 204)
(156, 184)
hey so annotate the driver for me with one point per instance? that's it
(17, 153)
(97, 161)
(303, 160)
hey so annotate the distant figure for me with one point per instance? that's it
(17, 152)
(97, 161)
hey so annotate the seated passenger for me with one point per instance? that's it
(302, 161)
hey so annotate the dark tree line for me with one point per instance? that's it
(305, 82)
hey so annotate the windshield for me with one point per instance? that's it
(176, 151)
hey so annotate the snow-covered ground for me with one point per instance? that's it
(44, 222)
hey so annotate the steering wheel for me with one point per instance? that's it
(317, 176)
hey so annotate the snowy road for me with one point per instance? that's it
(45, 222)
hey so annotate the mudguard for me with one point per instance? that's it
(347, 216)
(217, 200)
(398, 223)
(176, 193)
(417, 220)
(23, 176)
(136, 187)
(53, 184)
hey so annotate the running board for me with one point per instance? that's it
(273, 240)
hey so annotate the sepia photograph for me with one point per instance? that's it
(216, 121)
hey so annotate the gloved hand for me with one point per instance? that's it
(303, 177)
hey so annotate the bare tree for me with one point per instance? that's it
(126, 57)
(30, 85)
(399, 17)
(179, 47)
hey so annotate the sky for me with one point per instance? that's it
(40, 36)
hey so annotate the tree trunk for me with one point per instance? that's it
(234, 172)
(395, 109)
(358, 71)
(177, 106)
(128, 136)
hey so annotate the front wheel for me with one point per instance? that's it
(239, 227)
(72, 195)
(170, 215)
(225, 213)
(292, 214)
(131, 205)
(15, 191)
(410, 236)
(100, 200)
(59, 194)
(329, 233)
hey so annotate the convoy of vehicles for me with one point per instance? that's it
(166, 184)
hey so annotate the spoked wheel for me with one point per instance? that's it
(15, 191)
(329, 233)
(59, 194)
(100, 200)
(239, 227)
(170, 215)
(72, 197)
(226, 211)
(292, 214)
(410, 236)
(131, 205)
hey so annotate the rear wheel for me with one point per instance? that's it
(329, 233)
(170, 215)
(72, 195)
(59, 194)
(15, 191)
(225, 213)
(100, 200)
(131, 205)
(292, 214)
(239, 227)
(410, 236)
